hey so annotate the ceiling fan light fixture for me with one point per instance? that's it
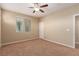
(36, 9)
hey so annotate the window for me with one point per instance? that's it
(23, 25)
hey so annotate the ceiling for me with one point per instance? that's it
(23, 8)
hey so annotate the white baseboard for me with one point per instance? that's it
(37, 38)
(3, 44)
(41, 37)
(59, 43)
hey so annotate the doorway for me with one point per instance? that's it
(0, 30)
(77, 31)
(41, 29)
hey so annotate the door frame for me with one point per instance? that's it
(74, 16)
(0, 28)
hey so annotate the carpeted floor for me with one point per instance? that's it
(37, 48)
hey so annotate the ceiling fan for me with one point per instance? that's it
(38, 7)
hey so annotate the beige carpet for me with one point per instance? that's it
(37, 48)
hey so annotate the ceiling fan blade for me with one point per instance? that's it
(30, 7)
(41, 10)
(34, 11)
(44, 6)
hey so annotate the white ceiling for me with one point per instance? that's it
(23, 8)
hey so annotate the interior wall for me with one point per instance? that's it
(9, 33)
(58, 26)
(0, 27)
(77, 29)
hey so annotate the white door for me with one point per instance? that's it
(77, 29)
(0, 28)
(41, 30)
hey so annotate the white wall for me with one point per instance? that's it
(9, 33)
(58, 26)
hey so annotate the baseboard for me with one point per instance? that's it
(17, 41)
(37, 38)
(41, 37)
(77, 42)
(59, 43)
